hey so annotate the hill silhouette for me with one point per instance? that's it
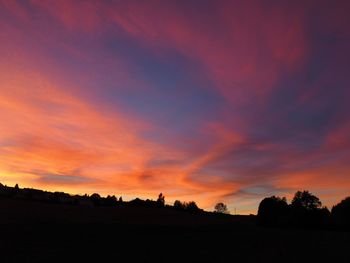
(32, 205)
(41, 226)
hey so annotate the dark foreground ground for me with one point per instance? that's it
(31, 232)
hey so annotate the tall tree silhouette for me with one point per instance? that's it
(304, 199)
(307, 211)
(161, 200)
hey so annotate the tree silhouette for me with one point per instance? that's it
(110, 200)
(96, 199)
(341, 213)
(307, 211)
(273, 211)
(15, 190)
(161, 200)
(221, 208)
(306, 200)
(179, 205)
(192, 206)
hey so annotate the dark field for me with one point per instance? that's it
(36, 232)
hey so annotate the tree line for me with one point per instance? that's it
(94, 199)
(304, 211)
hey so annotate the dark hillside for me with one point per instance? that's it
(26, 212)
(39, 232)
(39, 226)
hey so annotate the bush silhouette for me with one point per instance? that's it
(221, 208)
(186, 206)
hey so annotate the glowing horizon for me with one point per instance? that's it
(222, 101)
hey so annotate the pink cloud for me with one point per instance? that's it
(242, 48)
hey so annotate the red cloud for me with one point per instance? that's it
(245, 47)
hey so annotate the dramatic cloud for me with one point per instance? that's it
(217, 101)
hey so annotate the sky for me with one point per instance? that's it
(211, 101)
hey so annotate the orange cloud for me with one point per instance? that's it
(53, 140)
(55, 135)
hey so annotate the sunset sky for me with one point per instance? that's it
(208, 101)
